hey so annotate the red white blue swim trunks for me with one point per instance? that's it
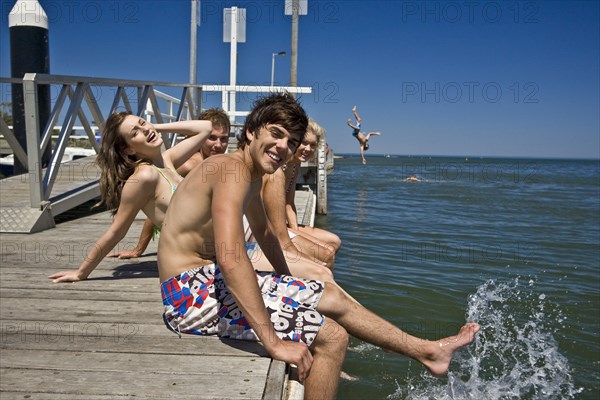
(198, 302)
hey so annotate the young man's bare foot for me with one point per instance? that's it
(347, 377)
(439, 353)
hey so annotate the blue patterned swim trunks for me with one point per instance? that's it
(198, 302)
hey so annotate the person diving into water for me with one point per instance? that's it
(363, 139)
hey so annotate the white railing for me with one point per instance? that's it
(79, 92)
(74, 130)
(172, 104)
(139, 97)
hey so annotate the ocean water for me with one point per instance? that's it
(513, 244)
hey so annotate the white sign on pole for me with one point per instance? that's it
(303, 7)
(230, 16)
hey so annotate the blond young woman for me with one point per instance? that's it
(320, 243)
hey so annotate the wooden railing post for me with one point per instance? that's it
(321, 179)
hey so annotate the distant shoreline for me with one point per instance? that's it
(422, 156)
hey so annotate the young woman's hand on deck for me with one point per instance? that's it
(126, 254)
(67, 276)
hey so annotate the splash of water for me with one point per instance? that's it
(514, 356)
(366, 351)
(363, 347)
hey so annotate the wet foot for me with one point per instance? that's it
(347, 377)
(441, 351)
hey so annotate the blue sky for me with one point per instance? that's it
(465, 78)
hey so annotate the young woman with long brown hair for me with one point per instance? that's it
(136, 175)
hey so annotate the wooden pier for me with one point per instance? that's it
(104, 338)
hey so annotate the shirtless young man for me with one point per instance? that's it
(209, 285)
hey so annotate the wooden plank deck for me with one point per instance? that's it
(104, 338)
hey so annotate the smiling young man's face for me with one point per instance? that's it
(271, 147)
(216, 143)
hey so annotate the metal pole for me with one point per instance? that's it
(233, 66)
(193, 46)
(272, 69)
(281, 53)
(32, 125)
(294, 56)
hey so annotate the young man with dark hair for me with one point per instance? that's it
(203, 238)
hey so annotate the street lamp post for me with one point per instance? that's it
(281, 53)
